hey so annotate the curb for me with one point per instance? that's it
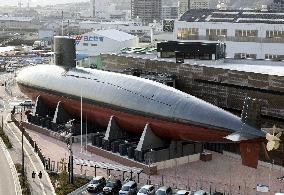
(17, 184)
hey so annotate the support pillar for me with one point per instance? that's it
(113, 132)
(40, 107)
(60, 116)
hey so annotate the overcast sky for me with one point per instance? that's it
(38, 2)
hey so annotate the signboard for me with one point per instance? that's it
(262, 188)
(88, 38)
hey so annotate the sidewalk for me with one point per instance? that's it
(38, 186)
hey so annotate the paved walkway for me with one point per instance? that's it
(32, 162)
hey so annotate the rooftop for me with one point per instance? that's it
(234, 16)
(267, 67)
(115, 35)
(19, 19)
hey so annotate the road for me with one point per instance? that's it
(32, 162)
(7, 181)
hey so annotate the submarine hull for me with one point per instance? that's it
(132, 122)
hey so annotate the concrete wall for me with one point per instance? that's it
(177, 161)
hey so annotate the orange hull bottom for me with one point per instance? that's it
(131, 122)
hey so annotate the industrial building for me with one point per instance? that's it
(147, 11)
(94, 43)
(199, 4)
(247, 34)
(182, 7)
(277, 5)
(225, 83)
(22, 23)
(169, 12)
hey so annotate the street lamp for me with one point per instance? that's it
(23, 155)
(69, 140)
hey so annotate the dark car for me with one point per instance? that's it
(112, 187)
(96, 184)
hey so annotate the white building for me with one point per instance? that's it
(247, 34)
(182, 6)
(134, 28)
(199, 4)
(94, 43)
(169, 12)
(101, 8)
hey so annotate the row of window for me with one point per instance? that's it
(253, 56)
(186, 33)
(92, 44)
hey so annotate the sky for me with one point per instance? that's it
(38, 2)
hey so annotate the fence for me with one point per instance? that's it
(30, 140)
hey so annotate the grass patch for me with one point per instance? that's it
(5, 139)
(23, 180)
(61, 183)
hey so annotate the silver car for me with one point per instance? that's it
(147, 190)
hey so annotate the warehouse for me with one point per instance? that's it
(111, 40)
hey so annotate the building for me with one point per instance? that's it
(191, 50)
(277, 5)
(93, 8)
(7, 22)
(247, 34)
(182, 7)
(146, 11)
(199, 4)
(101, 9)
(131, 27)
(95, 43)
(169, 12)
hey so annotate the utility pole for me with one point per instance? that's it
(62, 18)
(69, 126)
(23, 155)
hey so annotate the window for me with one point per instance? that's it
(85, 44)
(244, 56)
(274, 57)
(274, 34)
(216, 34)
(246, 33)
(187, 33)
(94, 45)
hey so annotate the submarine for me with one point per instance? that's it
(134, 101)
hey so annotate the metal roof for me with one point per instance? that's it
(234, 16)
(115, 35)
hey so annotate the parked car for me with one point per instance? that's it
(200, 192)
(112, 187)
(183, 192)
(147, 190)
(130, 188)
(28, 103)
(10, 69)
(96, 184)
(164, 191)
